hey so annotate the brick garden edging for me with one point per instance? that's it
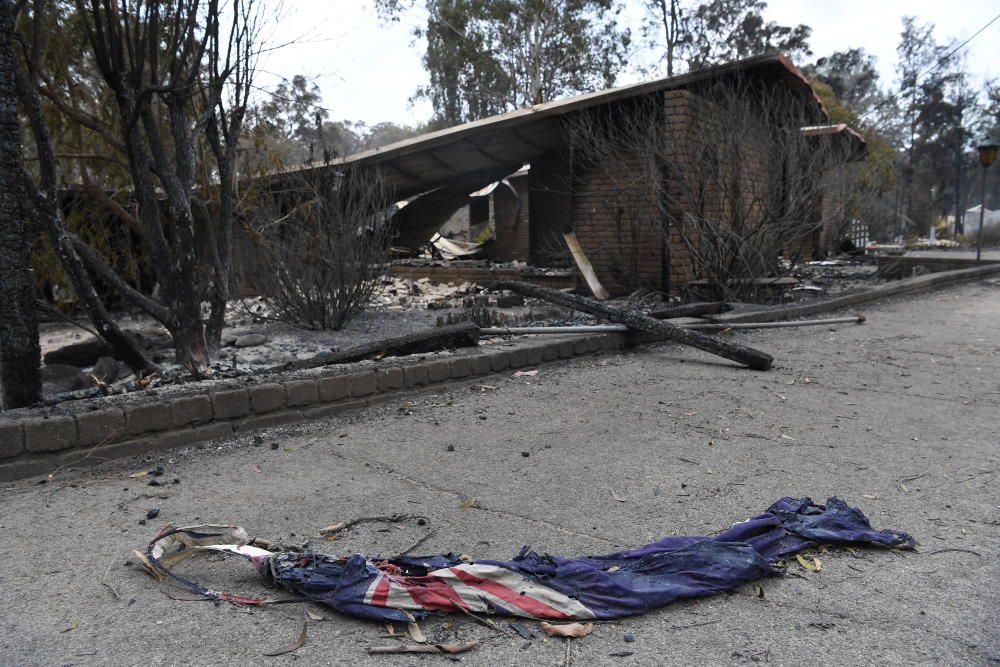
(37, 441)
(894, 288)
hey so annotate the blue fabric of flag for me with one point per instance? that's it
(624, 583)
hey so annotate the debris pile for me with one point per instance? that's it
(405, 294)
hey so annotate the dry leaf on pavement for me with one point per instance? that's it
(567, 629)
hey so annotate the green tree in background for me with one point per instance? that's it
(487, 57)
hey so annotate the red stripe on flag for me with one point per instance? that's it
(432, 593)
(524, 602)
(381, 593)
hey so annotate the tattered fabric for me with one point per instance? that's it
(533, 585)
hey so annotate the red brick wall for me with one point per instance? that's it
(616, 218)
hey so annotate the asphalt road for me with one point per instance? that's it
(899, 416)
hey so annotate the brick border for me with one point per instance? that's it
(894, 288)
(36, 442)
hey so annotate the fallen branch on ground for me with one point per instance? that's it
(464, 334)
(747, 356)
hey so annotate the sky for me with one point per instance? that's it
(368, 70)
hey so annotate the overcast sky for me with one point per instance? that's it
(368, 70)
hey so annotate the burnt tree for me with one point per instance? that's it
(20, 379)
(178, 78)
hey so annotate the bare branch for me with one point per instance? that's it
(97, 263)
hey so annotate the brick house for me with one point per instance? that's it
(617, 219)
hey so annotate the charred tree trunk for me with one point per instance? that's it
(45, 196)
(755, 359)
(20, 377)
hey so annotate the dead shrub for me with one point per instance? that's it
(322, 251)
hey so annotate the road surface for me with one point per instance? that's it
(900, 416)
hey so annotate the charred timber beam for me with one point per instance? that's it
(464, 334)
(755, 359)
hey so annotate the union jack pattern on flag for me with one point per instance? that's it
(533, 585)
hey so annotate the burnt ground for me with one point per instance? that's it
(400, 307)
(897, 416)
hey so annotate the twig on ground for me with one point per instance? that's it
(104, 582)
(346, 525)
(964, 551)
(416, 544)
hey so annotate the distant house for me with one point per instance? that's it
(970, 219)
(515, 173)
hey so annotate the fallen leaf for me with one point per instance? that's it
(787, 437)
(523, 631)
(390, 628)
(256, 468)
(331, 529)
(141, 473)
(758, 590)
(903, 488)
(70, 628)
(294, 646)
(567, 629)
(468, 504)
(416, 634)
(529, 374)
(813, 565)
(870, 496)
(617, 497)
(146, 565)
(315, 616)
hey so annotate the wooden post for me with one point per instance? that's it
(755, 359)
(464, 334)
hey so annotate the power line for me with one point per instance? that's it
(940, 63)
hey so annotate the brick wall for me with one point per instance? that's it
(616, 219)
(512, 219)
(551, 214)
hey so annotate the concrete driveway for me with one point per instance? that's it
(900, 416)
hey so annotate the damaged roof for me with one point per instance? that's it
(856, 144)
(477, 151)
